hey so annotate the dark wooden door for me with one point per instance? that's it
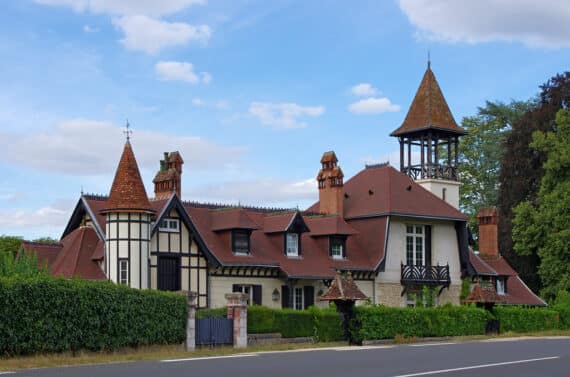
(168, 273)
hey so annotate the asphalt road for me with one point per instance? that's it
(544, 357)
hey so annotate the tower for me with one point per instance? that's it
(330, 180)
(128, 217)
(430, 129)
(168, 178)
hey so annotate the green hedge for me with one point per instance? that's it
(327, 325)
(519, 319)
(44, 314)
(212, 313)
(379, 322)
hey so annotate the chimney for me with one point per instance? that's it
(168, 178)
(330, 179)
(487, 219)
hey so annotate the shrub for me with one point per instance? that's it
(294, 323)
(562, 306)
(23, 265)
(212, 313)
(261, 319)
(379, 322)
(519, 319)
(327, 325)
(43, 314)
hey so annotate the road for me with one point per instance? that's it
(542, 357)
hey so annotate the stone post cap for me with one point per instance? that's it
(192, 296)
(236, 299)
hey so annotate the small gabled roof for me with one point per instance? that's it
(343, 289)
(429, 110)
(484, 294)
(127, 192)
(284, 222)
(329, 156)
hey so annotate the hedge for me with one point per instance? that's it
(379, 322)
(212, 313)
(327, 325)
(45, 314)
(519, 319)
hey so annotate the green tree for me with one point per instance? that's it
(542, 226)
(46, 240)
(481, 153)
(10, 244)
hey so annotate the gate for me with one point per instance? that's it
(214, 331)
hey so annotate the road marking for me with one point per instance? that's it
(9, 372)
(361, 348)
(209, 358)
(477, 367)
(431, 344)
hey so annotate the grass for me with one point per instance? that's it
(177, 351)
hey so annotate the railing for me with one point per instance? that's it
(433, 171)
(425, 275)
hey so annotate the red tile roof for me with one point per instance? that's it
(329, 225)
(232, 219)
(429, 109)
(276, 223)
(127, 192)
(480, 265)
(484, 294)
(343, 289)
(382, 190)
(46, 252)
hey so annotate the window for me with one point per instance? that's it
(298, 299)
(169, 225)
(415, 250)
(443, 193)
(501, 286)
(253, 292)
(240, 241)
(123, 271)
(337, 247)
(292, 244)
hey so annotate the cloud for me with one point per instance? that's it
(198, 102)
(89, 29)
(260, 191)
(363, 90)
(89, 148)
(534, 23)
(283, 115)
(150, 35)
(180, 71)
(122, 7)
(373, 106)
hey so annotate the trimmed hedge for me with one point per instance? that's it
(327, 325)
(212, 313)
(45, 314)
(519, 319)
(380, 322)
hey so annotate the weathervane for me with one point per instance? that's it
(128, 132)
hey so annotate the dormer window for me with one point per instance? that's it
(292, 244)
(240, 241)
(501, 286)
(337, 247)
(169, 225)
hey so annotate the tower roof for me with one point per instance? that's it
(429, 110)
(127, 192)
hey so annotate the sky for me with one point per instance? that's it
(250, 92)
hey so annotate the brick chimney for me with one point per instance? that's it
(330, 179)
(168, 178)
(488, 233)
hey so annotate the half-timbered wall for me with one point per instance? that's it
(192, 266)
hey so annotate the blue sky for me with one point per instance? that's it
(251, 92)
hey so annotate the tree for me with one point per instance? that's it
(481, 153)
(542, 226)
(46, 240)
(10, 244)
(521, 170)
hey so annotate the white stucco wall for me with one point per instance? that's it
(436, 186)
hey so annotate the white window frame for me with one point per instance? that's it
(416, 234)
(338, 253)
(292, 244)
(123, 268)
(501, 286)
(169, 225)
(248, 290)
(298, 294)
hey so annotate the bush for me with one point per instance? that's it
(327, 325)
(45, 314)
(23, 265)
(212, 313)
(562, 306)
(294, 323)
(519, 319)
(379, 322)
(261, 320)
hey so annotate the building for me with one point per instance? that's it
(394, 231)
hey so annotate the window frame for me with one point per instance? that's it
(169, 222)
(502, 283)
(123, 262)
(298, 244)
(241, 232)
(300, 297)
(414, 236)
(335, 240)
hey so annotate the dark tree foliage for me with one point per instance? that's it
(521, 170)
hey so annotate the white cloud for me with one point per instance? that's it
(198, 102)
(121, 7)
(283, 115)
(534, 23)
(373, 106)
(363, 90)
(150, 35)
(180, 71)
(89, 29)
(89, 148)
(260, 191)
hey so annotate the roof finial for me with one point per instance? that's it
(81, 190)
(128, 132)
(429, 61)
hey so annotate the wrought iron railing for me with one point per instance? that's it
(433, 171)
(425, 275)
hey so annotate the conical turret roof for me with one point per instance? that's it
(429, 110)
(127, 192)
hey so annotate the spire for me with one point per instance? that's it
(127, 192)
(429, 110)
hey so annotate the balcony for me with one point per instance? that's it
(425, 275)
(436, 171)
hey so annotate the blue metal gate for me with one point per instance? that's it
(214, 331)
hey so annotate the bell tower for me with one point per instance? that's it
(429, 142)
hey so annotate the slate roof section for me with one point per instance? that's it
(127, 192)
(429, 110)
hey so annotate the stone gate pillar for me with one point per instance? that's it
(191, 322)
(237, 310)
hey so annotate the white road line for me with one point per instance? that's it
(9, 372)
(209, 358)
(477, 367)
(361, 348)
(431, 344)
